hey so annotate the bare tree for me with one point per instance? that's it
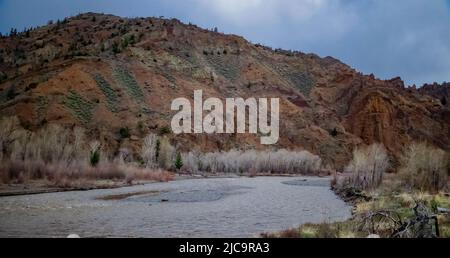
(425, 167)
(148, 151)
(368, 166)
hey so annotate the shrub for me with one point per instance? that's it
(124, 132)
(79, 144)
(424, 167)
(229, 66)
(76, 174)
(147, 174)
(3, 76)
(125, 42)
(166, 154)
(164, 130)
(20, 145)
(300, 78)
(158, 149)
(128, 81)
(334, 132)
(81, 107)
(124, 156)
(368, 166)
(8, 127)
(326, 230)
(112, 98)
(115, 48)
(191, 161)
(12, 171)
(141, 127)
(289, 233)
(178, 161)
(106, 171)
(94, 157)
(11, 93)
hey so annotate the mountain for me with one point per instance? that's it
(104, 73)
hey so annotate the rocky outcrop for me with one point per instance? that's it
(372, 119)
(438, 91)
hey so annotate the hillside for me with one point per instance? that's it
(104, 73)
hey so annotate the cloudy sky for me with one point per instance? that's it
(407, 38)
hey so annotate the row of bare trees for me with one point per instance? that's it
(54, 152)
(236, 161)
(422, 167)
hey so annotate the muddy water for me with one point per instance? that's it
(220, 207)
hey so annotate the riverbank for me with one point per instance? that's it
(44, 186)
(387, 212)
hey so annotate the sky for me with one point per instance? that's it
(406, 38)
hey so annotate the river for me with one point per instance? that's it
(214, 207)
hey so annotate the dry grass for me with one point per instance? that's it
(346, 229)
(148, 174)
(383, 215)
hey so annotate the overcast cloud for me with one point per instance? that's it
(407, 38)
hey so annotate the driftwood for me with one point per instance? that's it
(351, 194)
(381, 221)
(391, 224)
(421, 226)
